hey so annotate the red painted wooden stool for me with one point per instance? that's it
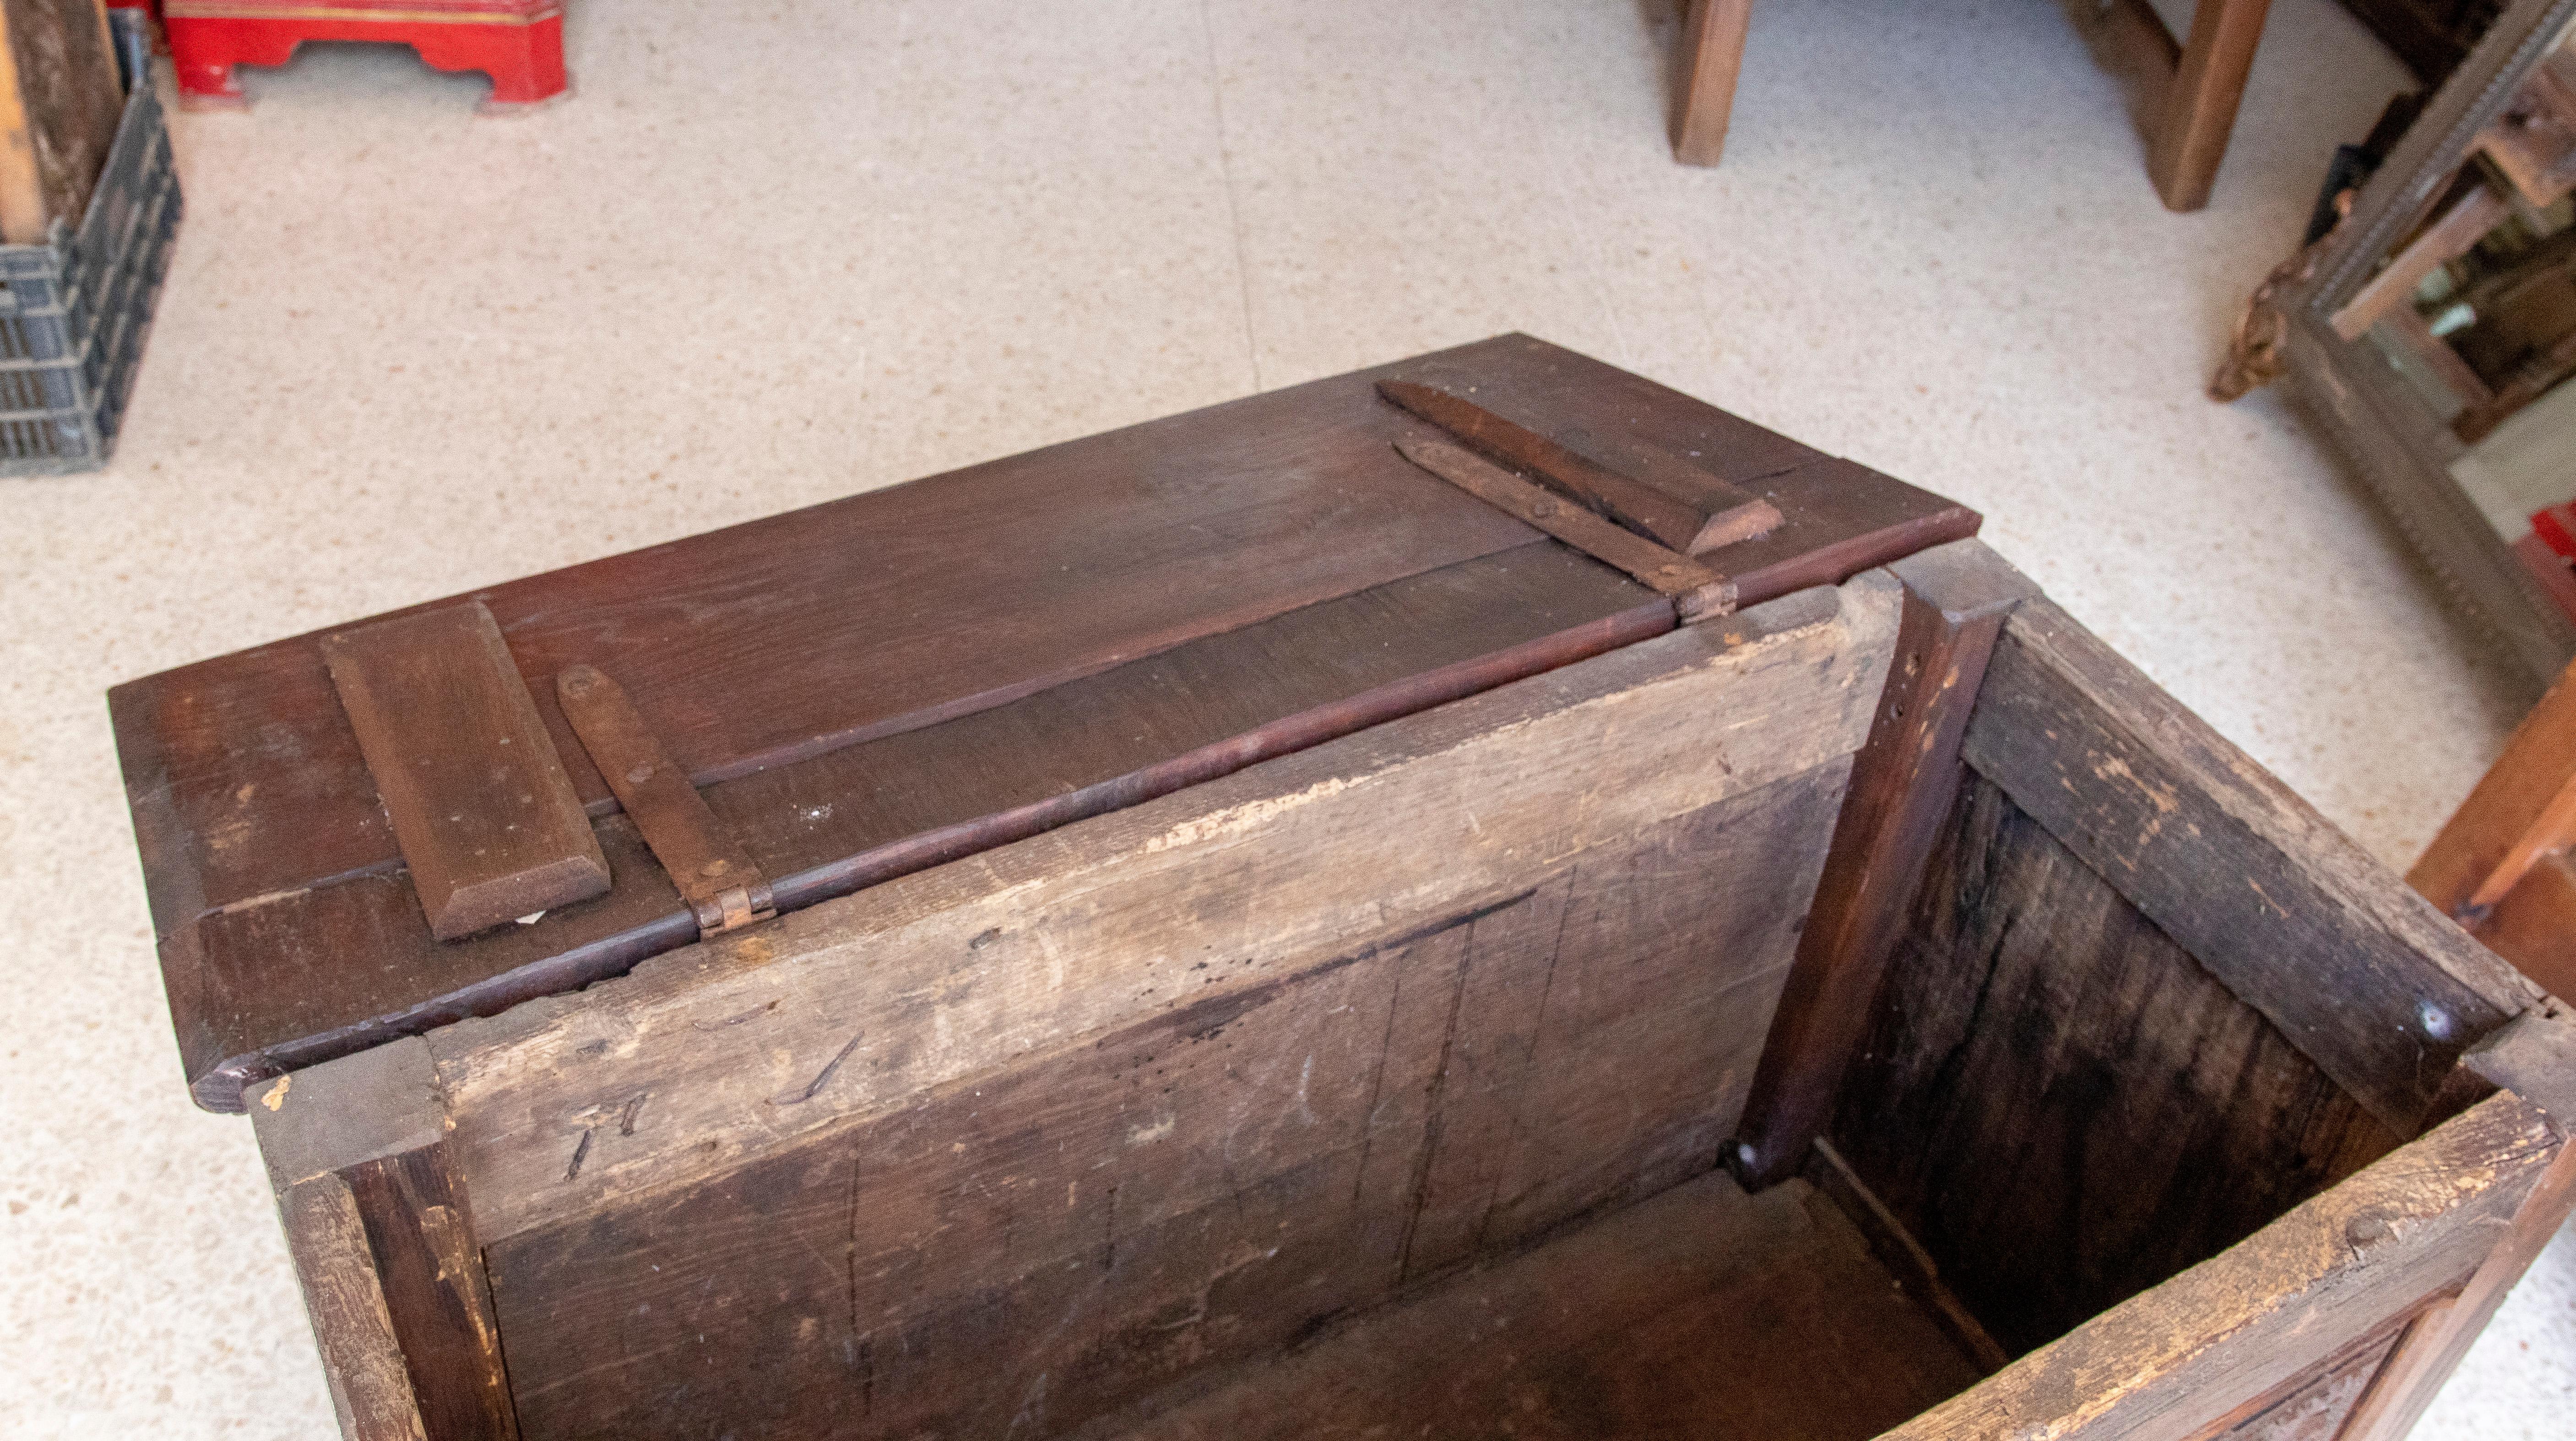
(519, 43)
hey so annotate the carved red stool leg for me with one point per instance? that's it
(525, 61)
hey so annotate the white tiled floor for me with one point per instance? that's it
(810, 248)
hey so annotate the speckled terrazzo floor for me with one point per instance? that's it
(808, 249)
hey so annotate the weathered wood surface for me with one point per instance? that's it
(361, 1356)
(2060, 1103)
(1667, 520)
(2534, 1058)
(1701, 1312)
(1046, 1240)
(764, 653)
(1904, 1257)
(884, 808)
(485, 814)
(60, 101)
(2246, 876)
(1403, 827)
(385, 1244)
(2181, 1357)
(1956, 598)
(1696, 590)
(2317, 1405)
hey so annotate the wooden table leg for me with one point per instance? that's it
(1712, 54)
(2190, 136)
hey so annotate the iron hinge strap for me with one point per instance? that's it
(718, 881)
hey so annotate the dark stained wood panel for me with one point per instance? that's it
(2060, 1103)
(785, 637)
(770, 658)
(488, 823)
(277, 977)
(1044, 1243)
(1701, 1313)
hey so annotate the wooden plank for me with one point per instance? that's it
(1904, 1257)
(2315, 1405)
(1697, 591)
(487, 819)
(1056, 1235)
(883, 809)
(2245, 875)
(1143, 538)
(1712, 56)
(385, 1244)
(431, 1270)
(1701, 1312)
(2465, 221)
(2038, 1027)
(1406, 826)
(361, 1357)
(1483, 1069)
(756, 644)
(2521, 809)
(2535, 1059)
(2190, 137)
(1956, 598)
(1659, 517)
(2534, 926)
(1659, 495)
(2180, 1357)
(60, 100)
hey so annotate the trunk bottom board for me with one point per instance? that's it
(1701, 1312)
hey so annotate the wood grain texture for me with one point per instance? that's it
(2036, 1027)
(886, 808)
(60, 100)
(2189, 138)
(1405, 826)
(357, 1152)
(1711, 59)
(2518, 811)
(2245, 875)
(1036, 1243)
(489, 826)
(1658, 516)
(760, 650)
(2315, 1405)
(2534, 1058)
(1696, 590)
(1701, 1312)
(421, 1236)
(361, 1356)
(2179, 1358)
(1956, 598)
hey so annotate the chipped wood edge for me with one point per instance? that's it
(2175, 1359)
(709, 1056)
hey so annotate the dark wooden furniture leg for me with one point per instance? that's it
(1903, 783)
(1712, 54)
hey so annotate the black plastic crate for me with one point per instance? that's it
(74, 311)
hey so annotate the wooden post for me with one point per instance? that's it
(1903, 783)
(2536, 1056)
(1712, 56)
(2199, 111)
(384, 1244)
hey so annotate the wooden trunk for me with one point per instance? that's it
(1875, 1010)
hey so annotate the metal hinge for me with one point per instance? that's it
(721, 885)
